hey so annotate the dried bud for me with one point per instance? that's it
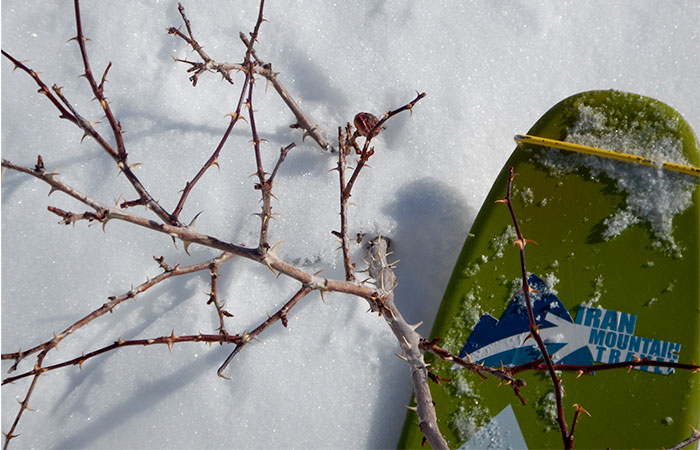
(364, 122)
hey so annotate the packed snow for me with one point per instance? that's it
(329, 380)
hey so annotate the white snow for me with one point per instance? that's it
(654, 196)
(331, 379)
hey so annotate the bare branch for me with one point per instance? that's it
(214, 158)
(408, 339)
(162, 340)
(115, 301)
(280, 315)
(567, 438)
(503, 375)
(344, 240)
(98, 90)
(43, 89)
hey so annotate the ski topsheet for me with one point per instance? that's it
(617, 278)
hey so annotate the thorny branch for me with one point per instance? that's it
(521, 242)
(260, 67)
(537, 365)
(280, 315)
(208, 64)
(506, 376)
(166, 340)
(409, 340)
(380, 299)
(214, 158)
(367, 125)
(214, 296)
(343, 234)
(120, 156)
(114, 301)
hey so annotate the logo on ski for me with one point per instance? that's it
(597, 335)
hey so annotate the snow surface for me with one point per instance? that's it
(331, 379)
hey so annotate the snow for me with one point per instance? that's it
(331, 379)
(653, 196)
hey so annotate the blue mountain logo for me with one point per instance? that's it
(597, 335)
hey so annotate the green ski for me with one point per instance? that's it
(617, 278)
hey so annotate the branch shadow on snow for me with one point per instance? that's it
(433, 221)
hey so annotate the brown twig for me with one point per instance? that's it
(43, 89)
(283, 155)
(214, 296)
(280, 315)
(302, 121)
(24, 405)
(121, 155)
(214, 158)
(577, 414)
(368, 151)
(113, 302)
(261, 68)
(521, 242)
(189, 236)
(162, 340)
(343, 235)
(348, 140)
(98, 89)
(380, 299)
(504, 375)
(537, 365)
(208, 64)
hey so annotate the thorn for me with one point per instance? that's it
(170, 340)
(521, 243)
(401, 357)
(412, 408)
(104, 224)
(413, 327)
(696, 433)
(234, 116)
(579, 408)
(55, 172)
(502, 200)
(194, 220)
(273, 249)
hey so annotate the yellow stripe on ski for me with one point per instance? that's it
(545, 142)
